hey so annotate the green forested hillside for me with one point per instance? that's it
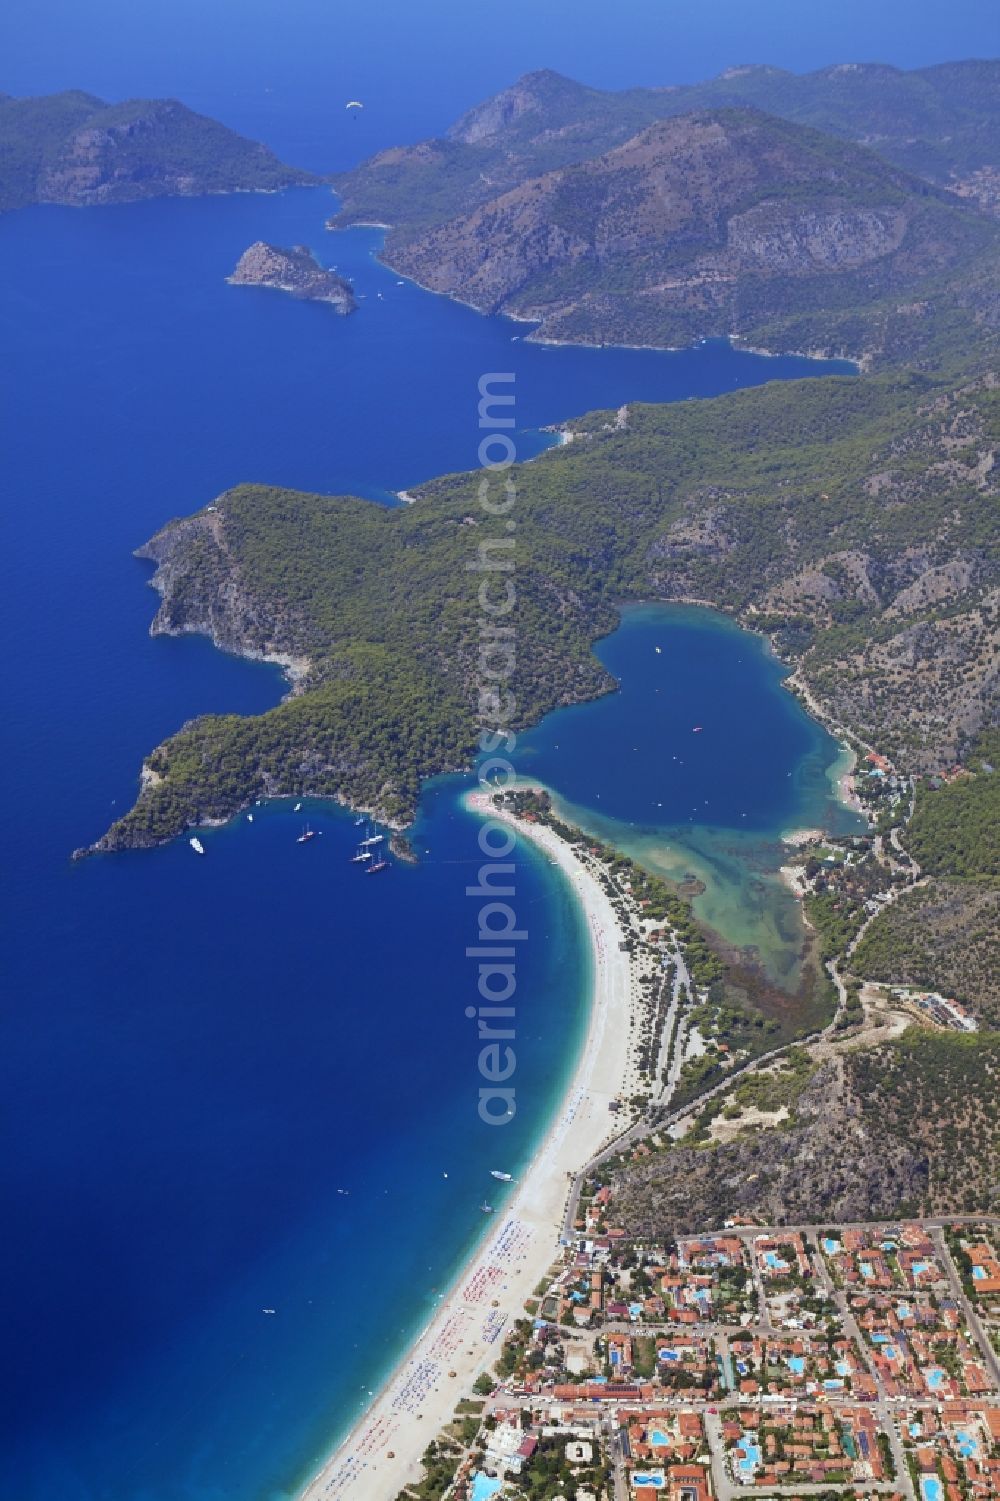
(941, 122)
(75, 148)
(909, 1127)
(955, 829)
(718, 222)
(745, 500)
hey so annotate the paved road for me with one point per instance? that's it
(974, 1321)
(643, 1128)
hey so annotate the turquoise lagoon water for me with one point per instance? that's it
(696, 766)
(238, 1083)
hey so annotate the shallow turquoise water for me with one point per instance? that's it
(697, 766)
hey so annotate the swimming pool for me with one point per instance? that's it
(659, 1439)
(930, 1488)
(666, 1354)
(775, 1262)
(979, 1273)
(796, 1363)
(484, 1486)
(656, 1480)
(751, 1457)
(935, 1378)
(830, 1246)
(967, 1445)
(843, 1368)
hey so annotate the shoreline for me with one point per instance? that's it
(464, 1336)
(861, 363)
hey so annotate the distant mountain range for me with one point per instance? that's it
(942, 123)
(657, 216)
(75, 148)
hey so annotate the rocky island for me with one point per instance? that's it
(296, 271)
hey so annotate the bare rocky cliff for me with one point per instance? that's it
(296, 271)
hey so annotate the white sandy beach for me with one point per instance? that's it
(466, 1332)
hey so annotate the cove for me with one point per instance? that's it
(697, 766)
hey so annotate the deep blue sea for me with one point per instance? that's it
(196, 1055)
(238, 1082)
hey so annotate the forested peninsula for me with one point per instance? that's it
(75, 148)
(852, 519)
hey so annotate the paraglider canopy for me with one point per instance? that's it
(354, 104)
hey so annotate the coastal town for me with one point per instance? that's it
(831, 1361)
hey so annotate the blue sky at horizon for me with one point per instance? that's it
(262, 65)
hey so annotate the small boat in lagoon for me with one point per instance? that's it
(197, 846)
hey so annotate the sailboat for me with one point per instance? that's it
(306, 835)
(503, 1177)
(197, 845)
(380, 864)
(361, 855)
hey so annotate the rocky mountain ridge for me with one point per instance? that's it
(941, 123)
(711, 224)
